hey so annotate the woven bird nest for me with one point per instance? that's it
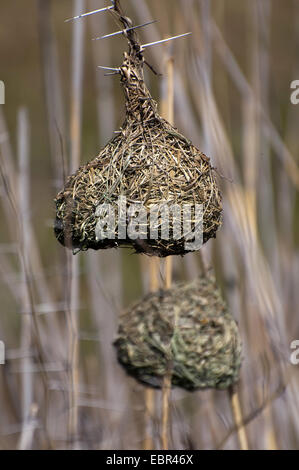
(148, 163)
(186, 332)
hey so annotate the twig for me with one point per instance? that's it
(248, 419)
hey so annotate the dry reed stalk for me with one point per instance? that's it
(256, 145)
(29, 427)
(154, 265)
(29, 259)
(271, 133)
(149, 394)
(265, 186)
(182, 98)
(238, 419)
(27, 385)
(257, 266)
(105, 86)
(149, 398)
(73, 353)
(12, 212)
(251, 150)
(52, 87)
(270, 431)
(234, 399)
(201, 258)
(166, 393)
(50, 327)
(166, 389)
(21, 226)
(285, 416)
(233, 396)
(104, 309)
(206, 109)
(170, 118)
(75, 136)
(261, 19)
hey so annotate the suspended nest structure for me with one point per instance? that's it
(149, 163)
(185, 332)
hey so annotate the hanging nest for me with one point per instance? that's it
(185, 332)
(149, 163)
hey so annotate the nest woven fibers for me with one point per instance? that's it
(185, 332)
(149, 163)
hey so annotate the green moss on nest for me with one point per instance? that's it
(186, 331)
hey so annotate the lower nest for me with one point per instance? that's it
(148, 165)
(185, 333)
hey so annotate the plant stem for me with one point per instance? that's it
(166, 390)
(75, 130)
(26, 322)
(237, 414)
(148, 443)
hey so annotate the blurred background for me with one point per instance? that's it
(61, 386)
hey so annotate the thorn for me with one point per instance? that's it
(123, 31)
(163, 40)
(115, 69)
(152, 69)
(89, 13)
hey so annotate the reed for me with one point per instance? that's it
(231, 99)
